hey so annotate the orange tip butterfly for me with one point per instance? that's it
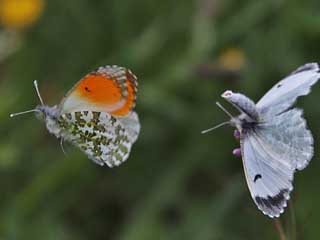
(96, 115)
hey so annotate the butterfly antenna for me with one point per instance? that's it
(215, 127)
(221, 124)
(35, 83)
(20, 113)
(223, 109)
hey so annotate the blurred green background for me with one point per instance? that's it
(177, 183)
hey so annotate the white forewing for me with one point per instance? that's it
(269, 180)
(271, 153)
(76, 103)
(281, 96)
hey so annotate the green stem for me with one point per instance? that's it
(293, 226)
(280, 230)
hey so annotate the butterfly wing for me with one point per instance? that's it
(271, 154)
(289, 137)
(102, 137)
(132, 124)
(110, 89)
(281, 96)
(269, 185)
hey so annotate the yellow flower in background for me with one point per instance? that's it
(232, 59)
(227, 65)
(20, 13)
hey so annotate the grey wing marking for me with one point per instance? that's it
(283, 95)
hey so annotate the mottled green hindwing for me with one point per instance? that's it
(99, 135)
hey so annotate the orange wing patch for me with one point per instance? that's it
(109, 89)
(99, 89)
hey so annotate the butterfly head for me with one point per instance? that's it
(44, 112)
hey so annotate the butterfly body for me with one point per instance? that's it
(274, 138)
(244, 104)
(97, 115)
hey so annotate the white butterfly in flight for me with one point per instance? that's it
(274, 138)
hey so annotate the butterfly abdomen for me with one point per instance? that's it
(242, 103)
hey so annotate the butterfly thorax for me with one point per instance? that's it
(244, 123)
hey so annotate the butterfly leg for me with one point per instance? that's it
(237, 151)
(61, 145)
(236, 134)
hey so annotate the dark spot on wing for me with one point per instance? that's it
(279, 85)
(277, 200)
(87, 89)
(256, 177)
(307, 67)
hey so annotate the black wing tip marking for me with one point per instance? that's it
(273, 206)
(308, 67)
